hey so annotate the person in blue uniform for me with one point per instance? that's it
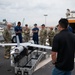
(35, 31)
(70, 28)
(18, 31)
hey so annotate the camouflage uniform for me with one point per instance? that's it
(7, 39)
(56, 31)
(50, 37)
(26, 34)
(43, 36)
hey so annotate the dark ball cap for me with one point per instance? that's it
(35, 24)
(43, 25)
(26, 25)
(19, 22)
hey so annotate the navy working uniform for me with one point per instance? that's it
(19, 29)
(70, 29)
(35, 34)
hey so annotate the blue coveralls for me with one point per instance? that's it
(70, 29)
(35, 35)
(18, 28)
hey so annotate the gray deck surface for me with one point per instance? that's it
(6, 69)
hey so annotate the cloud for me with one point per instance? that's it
(34, 10)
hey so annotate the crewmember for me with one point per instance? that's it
(18, 31)
(50, 36)
(7, 39)
(43, 35)
(70, 28)
(35, 31)
(56, 30)
(26, 32)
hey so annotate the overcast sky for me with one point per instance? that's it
(33, 11)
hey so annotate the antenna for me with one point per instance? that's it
(18, 42)
(23, 21)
